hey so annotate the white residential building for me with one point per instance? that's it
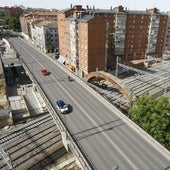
(44, 33)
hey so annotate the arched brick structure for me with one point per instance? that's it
(112, 79)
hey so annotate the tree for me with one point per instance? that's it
(153, 116)
(50, 48)
(1, 14)
(13, 23)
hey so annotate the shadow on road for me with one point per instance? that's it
(99, 129)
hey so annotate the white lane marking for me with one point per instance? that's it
(107, 137)
(131, 124)
(100, 129)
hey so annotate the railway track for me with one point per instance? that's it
(155, 83)
(35, 144)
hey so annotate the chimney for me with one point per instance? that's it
(77, 7)
(71, 6)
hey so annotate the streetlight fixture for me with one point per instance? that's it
(65, 121)
(32, 67)
(32, 70)
(117, 61)
(96, 74)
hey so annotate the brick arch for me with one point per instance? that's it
(118, 84)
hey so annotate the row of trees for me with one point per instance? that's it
(153, 115)
(11, 22)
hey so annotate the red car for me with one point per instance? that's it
(44, 72)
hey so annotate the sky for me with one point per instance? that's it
(162, 5)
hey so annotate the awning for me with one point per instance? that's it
(70, 66)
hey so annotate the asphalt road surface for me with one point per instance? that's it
(103, 135)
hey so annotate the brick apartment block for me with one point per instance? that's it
(91, 39)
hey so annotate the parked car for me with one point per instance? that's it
(44, 72)
(57, 55)
(64, 108)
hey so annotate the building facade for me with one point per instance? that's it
(27, 19)
(91, 39)
(167, 39)
(44, 33)
(12, 11)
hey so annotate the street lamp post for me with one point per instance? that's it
(32, 70)
(65, 121)
(117, 61)
(32, 67)
(96, 75)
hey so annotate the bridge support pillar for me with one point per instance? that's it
(65, 140)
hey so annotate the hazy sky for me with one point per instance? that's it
(162, 5)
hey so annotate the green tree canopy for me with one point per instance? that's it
(13, 23)
(153, 115)
(1, 14)
(50, 48)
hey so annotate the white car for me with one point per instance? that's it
(64, 108)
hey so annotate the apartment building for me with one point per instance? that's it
(47, 15)
(44, 33)
(12, 11)
(167, 38)
(27, 19)
(81, 43)
(91, 39)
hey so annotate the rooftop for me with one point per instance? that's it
(51, 24)
(84, 18)
(114, 11)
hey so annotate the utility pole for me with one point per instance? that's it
(96, 75)
(32, 72)
(117, 61)
(6, 157)
(65, 125)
